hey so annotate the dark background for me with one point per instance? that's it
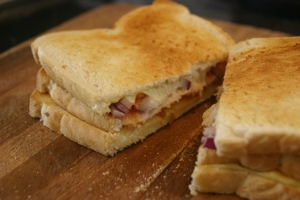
(23, 19)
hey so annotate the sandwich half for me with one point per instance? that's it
(251, 140)
(158, 62)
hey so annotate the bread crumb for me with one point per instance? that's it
(105, 173)
(142, 187)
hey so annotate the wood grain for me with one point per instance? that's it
(37, 163)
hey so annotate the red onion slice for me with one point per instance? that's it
(126, 103)
(208, 138)
(115, 112)
(209, 143)
(185, 85)
(123, 105)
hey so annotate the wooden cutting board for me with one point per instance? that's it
(37, 163)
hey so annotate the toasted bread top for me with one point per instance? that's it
(259, 109)
(147, 47)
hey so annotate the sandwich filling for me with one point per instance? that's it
(133, 110)
(138, 108)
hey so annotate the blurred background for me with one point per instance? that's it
(23, 19)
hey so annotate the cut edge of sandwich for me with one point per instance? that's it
(59, 120)
(135, 117)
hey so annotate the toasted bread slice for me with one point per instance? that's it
(254, 126)
(259, 110)
(150, 50)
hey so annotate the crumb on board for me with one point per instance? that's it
(105, 173)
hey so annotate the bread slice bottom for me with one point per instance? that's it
(61, 121)
(231, 178)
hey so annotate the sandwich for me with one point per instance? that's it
(251, 140)
(111, 88)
